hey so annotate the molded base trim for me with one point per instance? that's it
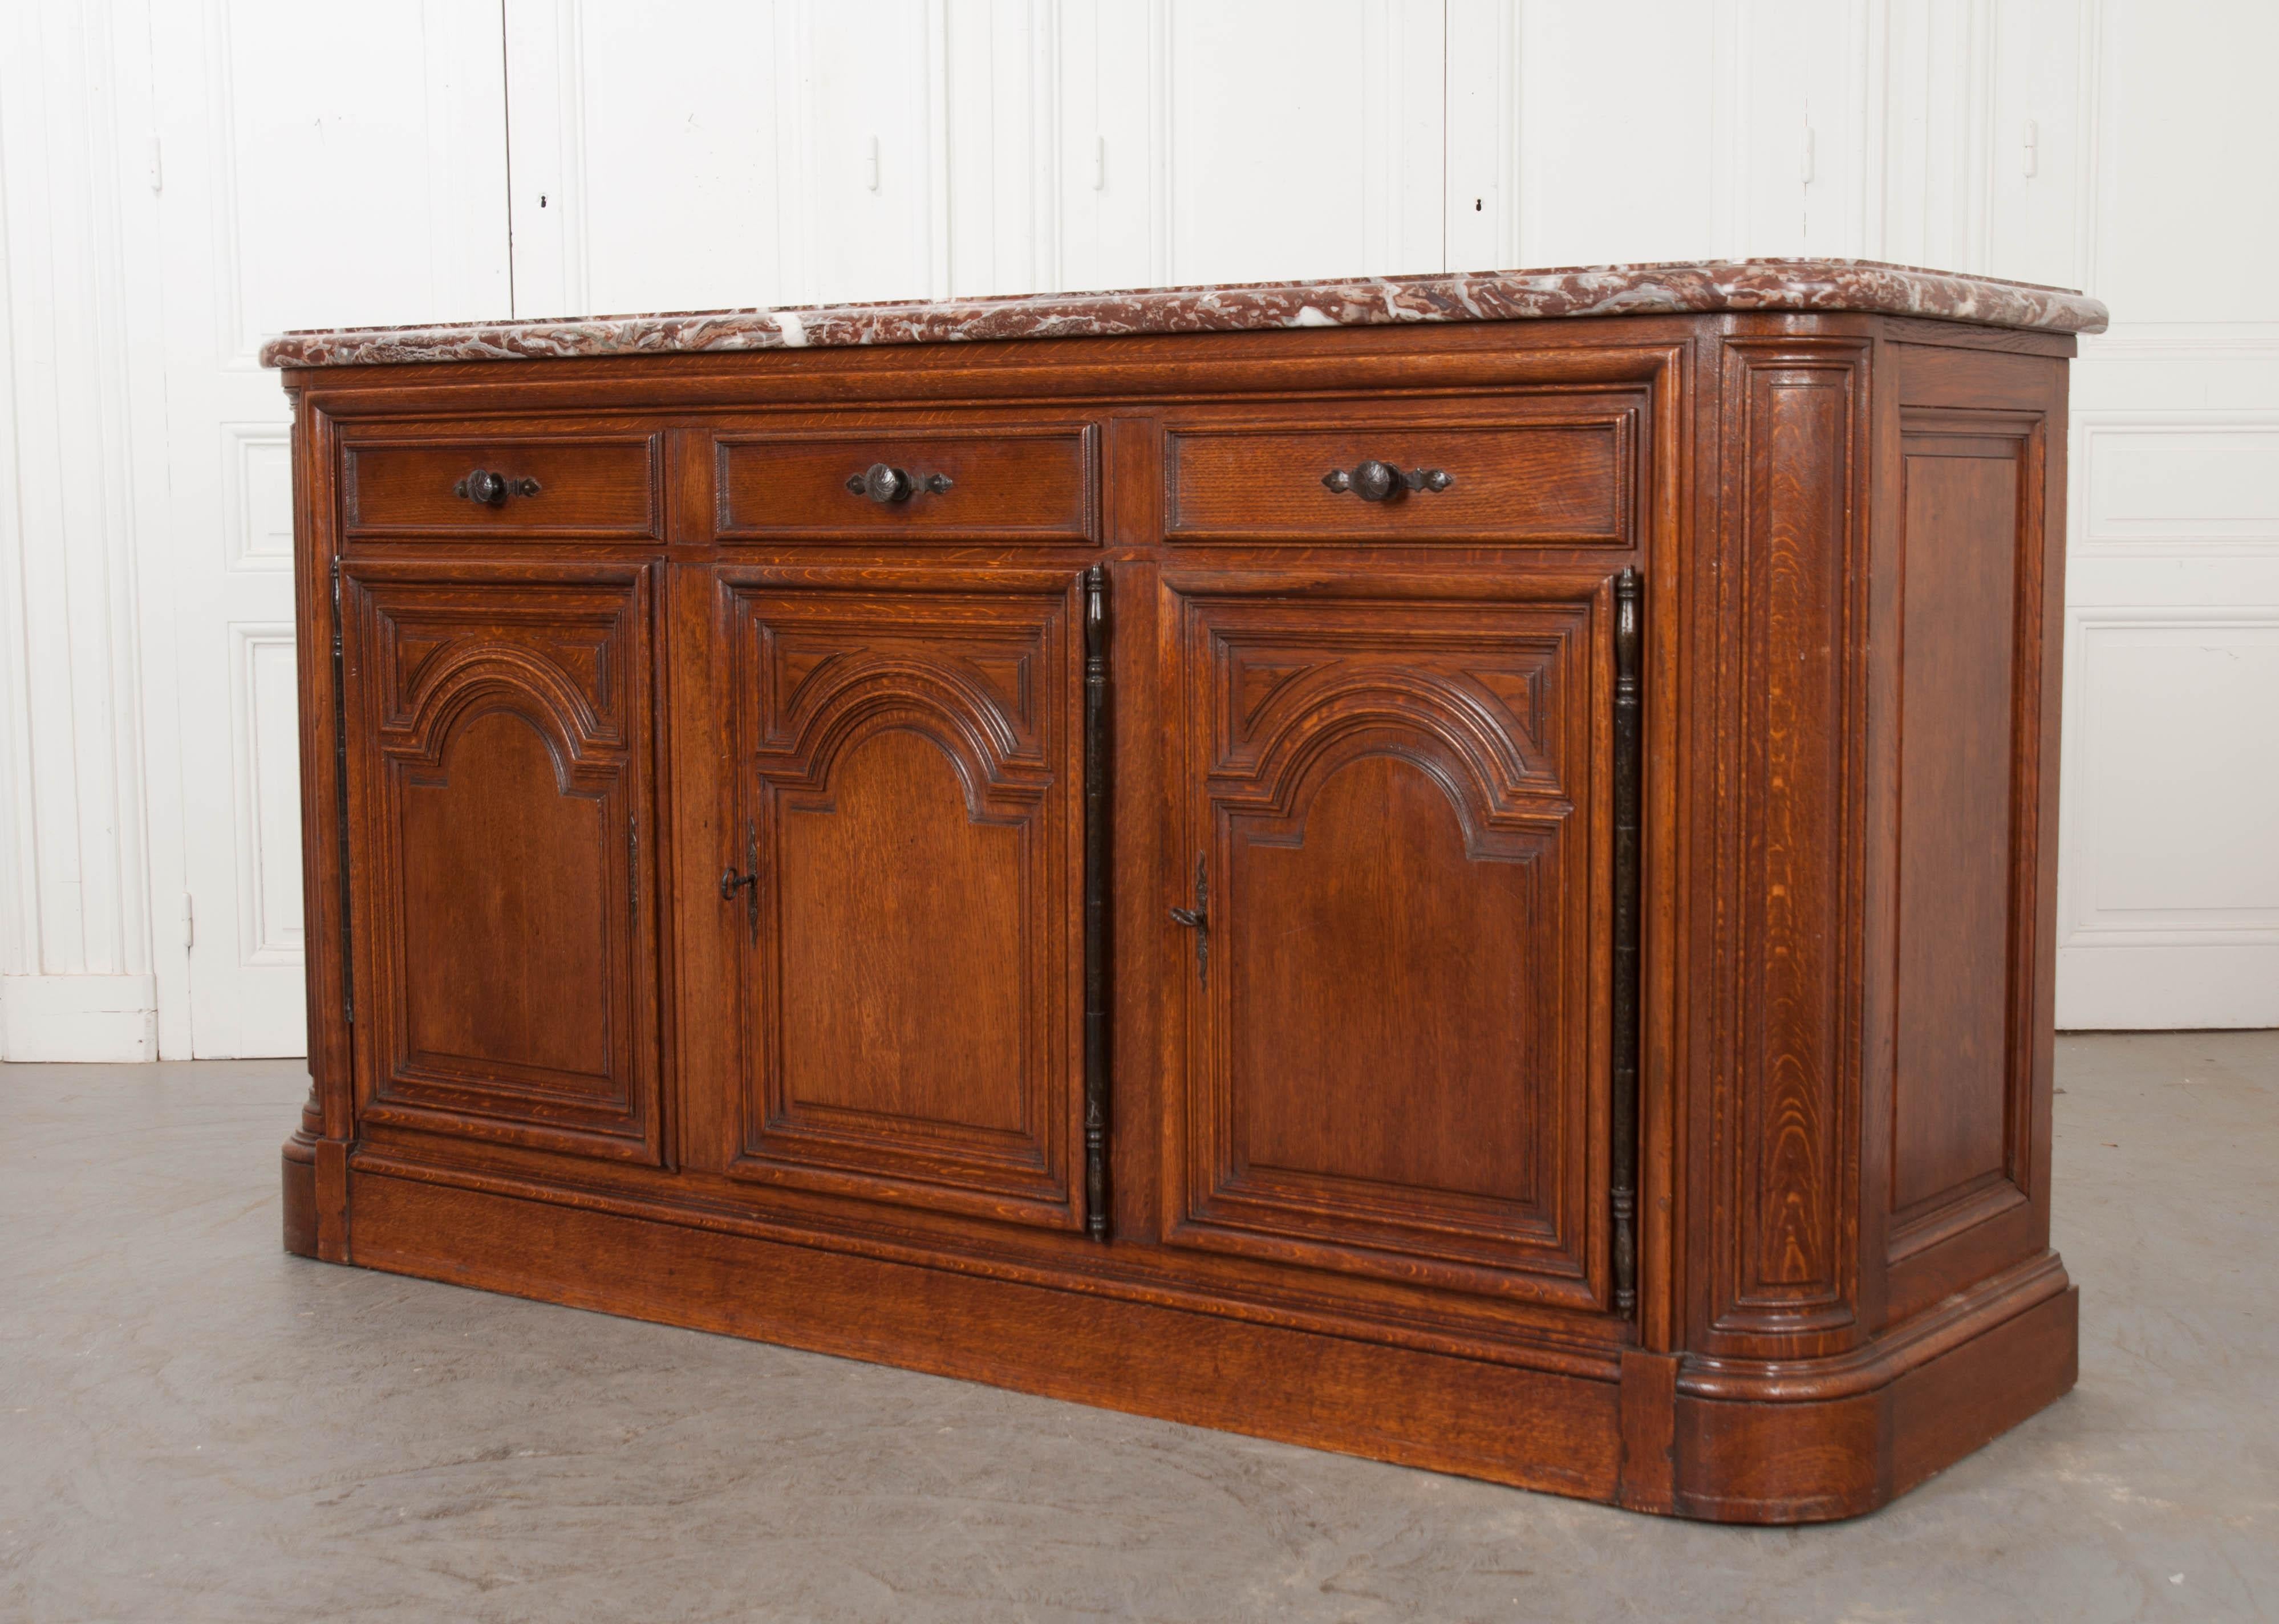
(1638, 1443)
(79, 1018)
(1817, 1461)
(300, 1169)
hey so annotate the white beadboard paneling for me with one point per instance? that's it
(1002, 145)
(2037, 65)
(645, 179)
(546, 116)
(1599, 177)
(1109, 93)
(867, 177)
(2184, 204)
(1938, 63)
(76, 884)
(376, 195)
(1305, 138)
(1481, 186)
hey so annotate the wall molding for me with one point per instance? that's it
(78, 1017)
(2085, 922)
(2101, 436)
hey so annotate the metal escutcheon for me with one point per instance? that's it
(492, 489)
(883, 484)
(1376, 482)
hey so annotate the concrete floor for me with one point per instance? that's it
(193, 1426)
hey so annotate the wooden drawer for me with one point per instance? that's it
(598, 486)
(1025, 483)
(1565, 481)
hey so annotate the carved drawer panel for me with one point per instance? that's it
(1558, 479)
(600, 487)
(1020, 483)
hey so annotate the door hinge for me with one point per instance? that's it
(189, 922)
(156, 170)
(1198, 919)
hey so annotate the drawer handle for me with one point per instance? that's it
(883, 484)
(1376, 482)
(492, 489)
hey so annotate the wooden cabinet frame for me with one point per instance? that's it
(1837, 1247)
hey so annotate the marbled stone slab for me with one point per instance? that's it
(1491, 296)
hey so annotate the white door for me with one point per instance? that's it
(913, 148)
(316, 165)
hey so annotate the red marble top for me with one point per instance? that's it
(1480, 296)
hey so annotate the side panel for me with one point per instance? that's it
(1964, 562)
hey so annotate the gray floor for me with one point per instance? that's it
(193, 1426)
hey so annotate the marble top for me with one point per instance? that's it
(1819, 285)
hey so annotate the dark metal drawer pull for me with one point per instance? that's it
(883, 484)
(1376, 482)
(492, 489)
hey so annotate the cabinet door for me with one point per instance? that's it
(1392, 889)
(498, 725)
(903, 834)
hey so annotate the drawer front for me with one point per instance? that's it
(1025, 483)
(1563, 482)
(601, 487)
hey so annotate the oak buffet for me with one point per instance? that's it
(1459, 869)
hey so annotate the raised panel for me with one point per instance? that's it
(1387, 1066)
(2174, 750)
(2178, 482)
(1969, 717)
(265, 737)
(257, 496)
(499, 787)
(905, 795)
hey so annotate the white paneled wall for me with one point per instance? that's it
(178, 177)
(75, 958)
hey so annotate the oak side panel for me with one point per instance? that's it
(1971, 558)
(1951, 1121)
